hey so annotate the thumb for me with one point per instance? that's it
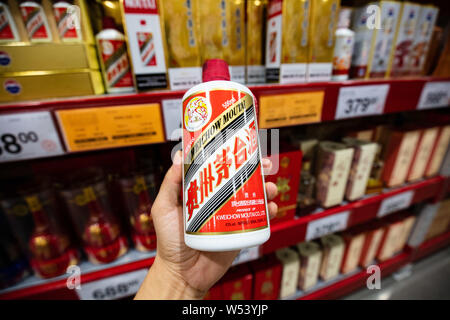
(171, 185)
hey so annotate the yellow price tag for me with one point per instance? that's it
(108, 127)
(290, 109)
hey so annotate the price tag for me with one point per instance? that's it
(358, 101)
(247, 254)
(434, 95)
(28, 135)
(111, 288)
(321, 227)
(172, 118)
(290, 109)
(395, 203)
(109, 127)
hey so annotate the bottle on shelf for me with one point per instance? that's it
(375, 183)
(66, 16)
(35, 21)
(343, 47)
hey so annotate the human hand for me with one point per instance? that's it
(180, 272)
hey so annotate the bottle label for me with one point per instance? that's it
(7, 27)
(65, 22)
(223, 182)
(115, 59)
(342, 55)
(35, 22)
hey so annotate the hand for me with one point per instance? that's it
(180, 272)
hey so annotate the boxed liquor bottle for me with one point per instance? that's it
(408, 224)
(287, 40)
(363, 157)
(290, 271)
(255, 41)
(371, 244)
(398, 155)
(423, 153)
(182, 29)
(324, 17)
(267, 278)
(334, 162)
(333, 247)
(287, 179)
(310, 260)
(438, 152)
(441, 221)
(354, 243)
(306, 200)
(390, 240)
(422, 38)
(145, 42)
(404, 39)
(237, 283)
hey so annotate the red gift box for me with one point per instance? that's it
(215, 293)
(237, 283)
(267, 278)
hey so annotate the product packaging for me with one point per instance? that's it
(310, 260)
(438, 153)
(408, 224)
(323, 22)
(224, 195)
(145, 40)
(391, 238)
(35, 21)
(441, 220)
(372, 242)
(8, 28)
(343, 48)
(354, 243)
(255, 41)
(287, 179)
(291, 266)
(182, 29)
(237, 284)
(404, 38)
(267, 278)
(69, 28)
(333, 168)
(423, 153)
(333, 248)
(306, 200)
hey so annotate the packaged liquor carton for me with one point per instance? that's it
(290, 271)
(423, 153)
(408, 224)
(310, 260)
(404, 39)
(324, 16)
(333, 247)
(381, 52)
(287, 40)
(255, 41)
(333, 168)
(354, 243)
(363, 157)
(287, 180)
(398, 155)
(237, 283)
(390, 240)
(441, 220)
(267, 278)
(145, 41)
(438, 153)
(182, 29)
(422, 38)
(371, 244)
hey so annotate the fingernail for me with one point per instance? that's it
(177, 158)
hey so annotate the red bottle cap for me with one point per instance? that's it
(108, 23)
(215, 69)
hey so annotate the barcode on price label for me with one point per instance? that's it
(358, 101)
(116, 287)
(321, 227)
(28, 135)
(434, 95)
(395, 203)
(247, 254)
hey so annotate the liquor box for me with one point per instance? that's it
(438, 152)
(290, 271)
(215, 293)
(310, 259)
(423, 153)
(255, 41)
(441, 221)
(34, 85)
(390, 240)
(237, 283)
(333, 247)
(363, 157)
(404, 38)
(398, 155)
(408, 224)
(323, 23)
(333, 168)
(371, 244)
(354, 243)
(267, 278)
(287, 180)
(424, 218)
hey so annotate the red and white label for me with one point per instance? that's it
(66, 21)
(117, 67)
(274, 29)
(223, 183)
(8, 30)
(35, 21)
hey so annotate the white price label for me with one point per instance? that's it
(112, 288)
(172, 118)
(434, 95)
(321, 227)
(358, 101)
(247, 254)
(395, 203)
(28, 135)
